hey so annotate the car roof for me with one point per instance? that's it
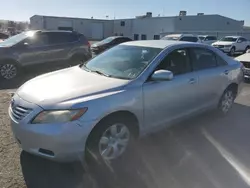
(234, 36)
(181, 35)
(156, 43)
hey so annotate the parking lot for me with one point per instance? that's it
(208, 151)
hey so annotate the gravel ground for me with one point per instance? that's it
(10, 170)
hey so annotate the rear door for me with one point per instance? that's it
(61, 45)
(212, 73)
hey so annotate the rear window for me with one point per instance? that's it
(189, 39)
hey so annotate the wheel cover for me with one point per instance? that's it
(8, 71)
(114, 141)
(232, 51)
(227, 101)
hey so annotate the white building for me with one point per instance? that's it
(144, 27)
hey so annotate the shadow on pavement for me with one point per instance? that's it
(202, 152)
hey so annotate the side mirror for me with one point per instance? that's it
(239, 41)
(161, 75)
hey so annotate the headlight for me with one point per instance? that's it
(227, 46)
(58, 116)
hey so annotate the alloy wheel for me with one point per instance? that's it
(227, 101)
(114, 141)
(8, 71)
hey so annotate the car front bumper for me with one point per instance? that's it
(224, 49)
(246, 73)
(62, 142)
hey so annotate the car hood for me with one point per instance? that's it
(245, 57)
(222, 43)
(65, 85)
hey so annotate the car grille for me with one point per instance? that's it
(20, 112)
(246, 64)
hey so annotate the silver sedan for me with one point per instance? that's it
(99, 107)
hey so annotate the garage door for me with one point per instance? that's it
(97, 31)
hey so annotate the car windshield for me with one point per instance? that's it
(16, 38)
(123, 61)
(170, 38)
(229, 39)
(201, 37)
(107, 40)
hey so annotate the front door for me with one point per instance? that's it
(165, 101)
(33, 50)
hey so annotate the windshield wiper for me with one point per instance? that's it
(99, 72)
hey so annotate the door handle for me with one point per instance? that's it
(192, 81)
(226, 72)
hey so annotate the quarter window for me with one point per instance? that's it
(203, 59)
(177, 61)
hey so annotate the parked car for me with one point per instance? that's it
(182, 37)
(107, 43)
(3, 36)
(130, 90)
(245, 60)
(33, 48)
(207, 39)
(232, 44)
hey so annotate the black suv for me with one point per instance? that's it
(33, 48)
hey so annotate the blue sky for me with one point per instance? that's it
(24, 9)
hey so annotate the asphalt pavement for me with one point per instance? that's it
(204, 152)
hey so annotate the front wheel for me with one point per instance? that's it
(110, 140)
(226, 101)
(247, 48)
(232, 51)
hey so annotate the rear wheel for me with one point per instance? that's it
(9, 70)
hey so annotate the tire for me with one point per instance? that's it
(247, 48)
(232, 51)
(226, 101)
(9, 70)
(110, 140)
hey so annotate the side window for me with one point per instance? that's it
(240, 40)
(38, 40)
(203, 59)
(243, 39)
(61, 37)
(220, 61)
(177, 61)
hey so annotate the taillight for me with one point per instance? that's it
(88, 44)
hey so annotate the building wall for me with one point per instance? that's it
(147, 26)
(80, 25)
(36, 22)
(207, 23)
